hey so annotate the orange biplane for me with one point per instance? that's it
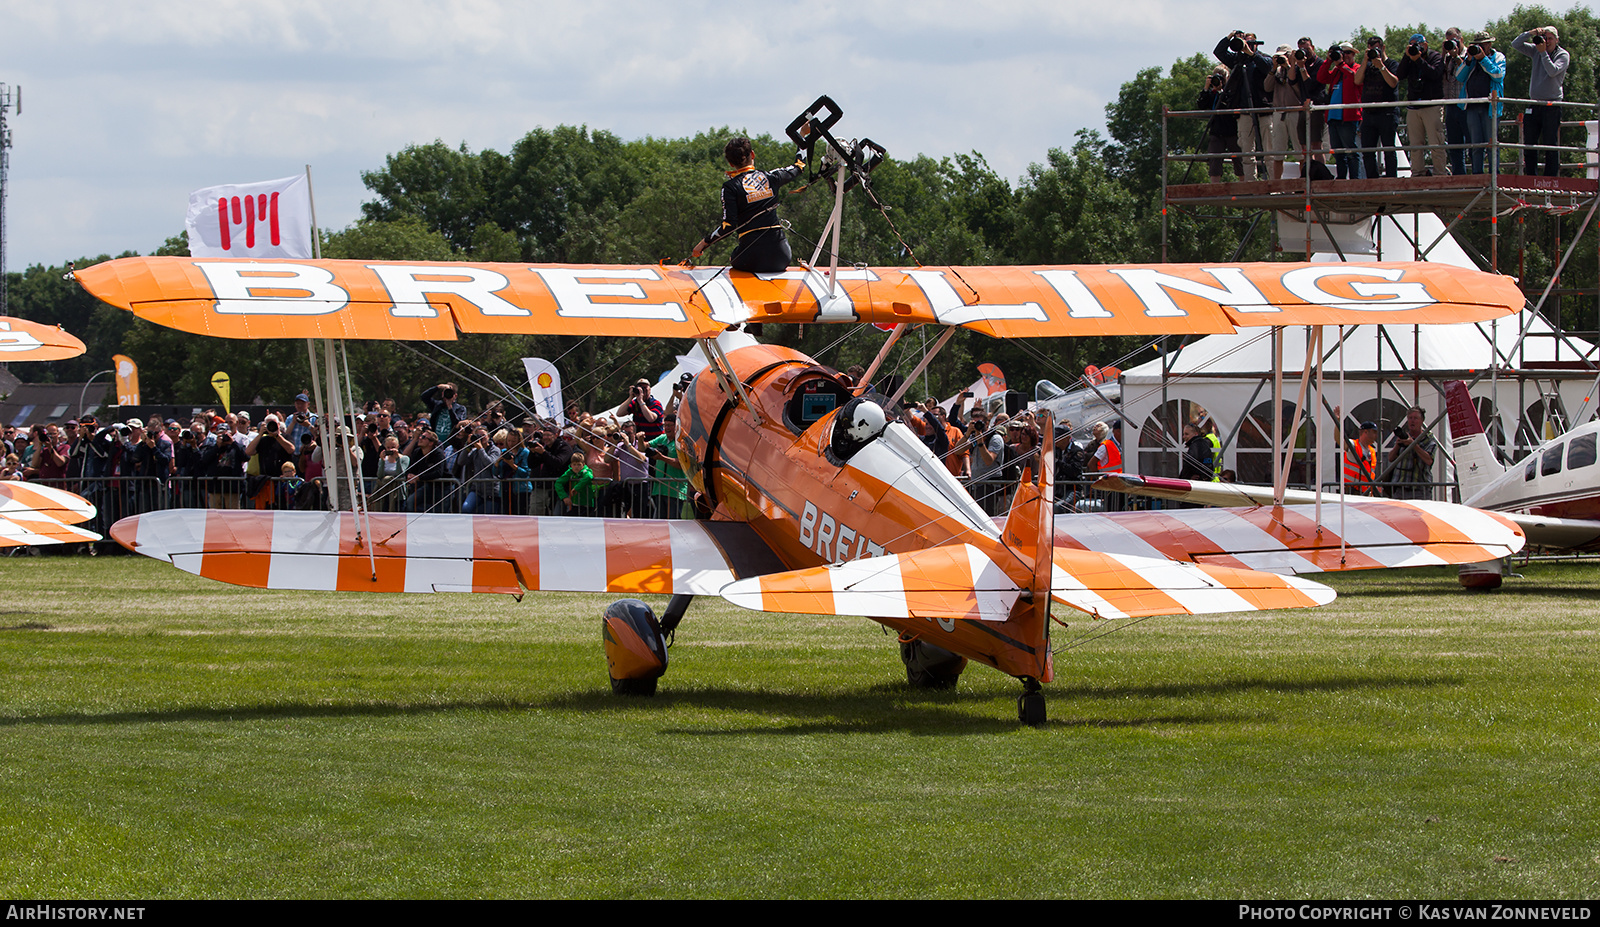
(817, 501)
(32, 515)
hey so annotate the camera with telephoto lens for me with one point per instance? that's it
(1474, 50)
(1373, 54)
(1299, 54)
(1451, 47)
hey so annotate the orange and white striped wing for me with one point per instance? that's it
(953, 581)
(447, 553)
(32, 515)
(1123, 586)
(1287, 539)
(958, 581)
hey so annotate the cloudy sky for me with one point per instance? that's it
(127, 107)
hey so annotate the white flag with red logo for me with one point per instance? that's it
(270, 220)
(545, 383)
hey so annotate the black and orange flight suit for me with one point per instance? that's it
(750, 210)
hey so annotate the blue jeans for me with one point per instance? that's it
(1347, 157)
(1482, 136)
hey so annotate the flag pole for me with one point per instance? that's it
(316, 237)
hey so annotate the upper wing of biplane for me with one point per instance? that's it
(380, 300)
(32, 515)
(21, 340)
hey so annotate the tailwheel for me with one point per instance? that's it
(1030, 704)
(636, 651)
(929, 666)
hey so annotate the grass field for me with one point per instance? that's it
(165, 736)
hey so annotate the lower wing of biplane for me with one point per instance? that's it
(32, 515)
(1347, 533)
(345, 552)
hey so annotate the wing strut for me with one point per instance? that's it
(731, 385)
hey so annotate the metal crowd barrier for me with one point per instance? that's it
(117, 497)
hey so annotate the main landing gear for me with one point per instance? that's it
(929, 666)
(1030, 704)
(636, 643)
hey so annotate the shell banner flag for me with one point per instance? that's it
(127, 380)
(268, 220)
(220, 383)
(545, 383)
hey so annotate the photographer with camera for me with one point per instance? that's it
(1423, 71)
(303, 421)
(1482, 73)
(1411, 458)
(1246, 89)
(1222, 129)
(1451, 50)
(444, 413)
(646, 410)
(1344, 125)
(1541, 124)
(1287, 82)
(1313, 129)
(1379, 84)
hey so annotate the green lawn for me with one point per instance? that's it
(165, 736)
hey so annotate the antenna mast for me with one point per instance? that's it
(6, 93)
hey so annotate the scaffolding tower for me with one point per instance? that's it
(1500, 197)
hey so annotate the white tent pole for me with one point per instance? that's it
(1277, 414)
(1343, 449)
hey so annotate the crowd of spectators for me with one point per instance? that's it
(1449, 96)
(450, 459)
(444, 459)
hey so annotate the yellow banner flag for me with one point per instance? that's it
(219, 382)
(127, 380)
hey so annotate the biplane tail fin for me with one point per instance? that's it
(1476, 465)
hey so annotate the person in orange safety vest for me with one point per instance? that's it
(1361, 461)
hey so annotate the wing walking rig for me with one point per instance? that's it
(818, 503)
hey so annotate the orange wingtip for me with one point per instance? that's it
(21, 340)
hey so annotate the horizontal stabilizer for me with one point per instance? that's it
(959, 581)
(448, 553)
(1564, 533)
(953, 581)
(1122, 586)
(32, 515)
(1358, 534)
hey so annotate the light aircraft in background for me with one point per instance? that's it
(1553, 494)
(816, 500)
(31, 514)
